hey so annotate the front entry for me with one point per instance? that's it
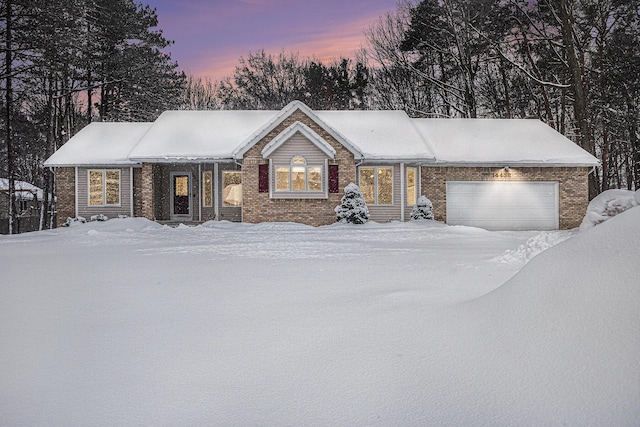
(180, 199)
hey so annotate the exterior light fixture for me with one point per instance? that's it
(506, 168)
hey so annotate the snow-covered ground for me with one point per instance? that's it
(126, 322)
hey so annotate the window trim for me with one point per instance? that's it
(104, 188)
(416, 187)
(306, 166)
(222, 187)
(375, 183)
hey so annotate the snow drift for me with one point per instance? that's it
(558, 344)
(608, 204)
(126, 322)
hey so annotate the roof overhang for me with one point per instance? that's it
(184, 159)
(521, 164)
(413, 160)
(92, 165)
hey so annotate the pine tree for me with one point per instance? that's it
(353, 208)
(422, 210)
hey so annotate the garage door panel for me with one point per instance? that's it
(503, 205)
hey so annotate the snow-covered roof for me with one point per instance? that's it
(198, 135)
(380, 135)
(223, 135)
(100, 143)
(501, 142)
(23, 189)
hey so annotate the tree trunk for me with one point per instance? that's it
(8, 112)
(577, 83)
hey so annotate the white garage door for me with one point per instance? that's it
(500, 205)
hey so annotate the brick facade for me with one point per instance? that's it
(572, 186)
(66, 194)
(144, 192)
(259, 207)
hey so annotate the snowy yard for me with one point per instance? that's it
(128, 322)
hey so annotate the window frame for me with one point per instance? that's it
(289, 167)
(104, 188)
(225, 172)
(376, 191)
(415, 185)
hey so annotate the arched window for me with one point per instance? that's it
(299, 176)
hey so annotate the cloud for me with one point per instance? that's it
(211, 35)
(331, 43)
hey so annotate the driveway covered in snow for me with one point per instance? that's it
(127, 322)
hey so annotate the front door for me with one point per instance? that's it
(181, 202)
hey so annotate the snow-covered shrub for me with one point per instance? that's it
(353, 208)
(123, 216)
(422, 210)
(608, 204)
(74, 221)
(99, 217)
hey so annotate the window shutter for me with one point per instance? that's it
(333, 179)
(263, 178)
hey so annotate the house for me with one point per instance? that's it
(293, 164)
(27, 200)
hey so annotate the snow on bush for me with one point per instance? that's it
(74, 221)
(608, 204)
(353, 208)
(99, 217)
(423, 209)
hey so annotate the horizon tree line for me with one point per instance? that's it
(574, 64)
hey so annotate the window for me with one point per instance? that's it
(104, 187)
(232, 188)
(299, 176)
(24, 205)
(412, 186)
(376, 184)
(207, 185)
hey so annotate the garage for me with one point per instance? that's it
(503, 205)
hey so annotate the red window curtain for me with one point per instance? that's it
(333, 179)
(263, 178)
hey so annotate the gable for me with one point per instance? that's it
(299, 137)
(287, 112)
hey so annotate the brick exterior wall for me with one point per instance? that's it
(143, 192)
(66, 194)
(573, 186)
(258, 207)
(137, 192)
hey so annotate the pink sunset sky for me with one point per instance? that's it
(210, 36)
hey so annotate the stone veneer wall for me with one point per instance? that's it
(258, 207)
(573, 186)
(66, 194)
